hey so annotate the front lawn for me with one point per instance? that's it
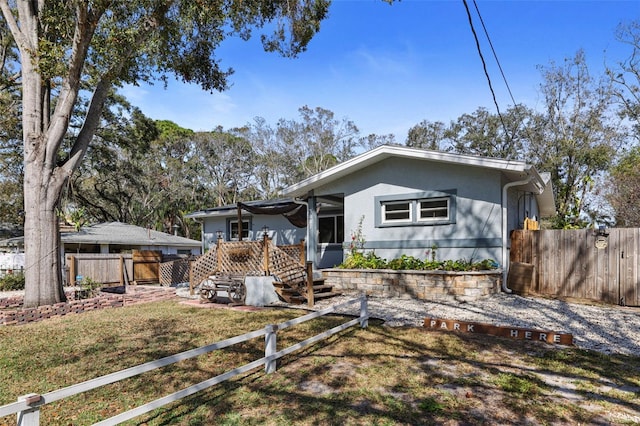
(378, 375)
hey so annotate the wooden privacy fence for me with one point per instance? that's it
(102, 268)
(588, 264)
(141, 267)
(28, 406)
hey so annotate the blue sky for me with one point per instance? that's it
(387, 68)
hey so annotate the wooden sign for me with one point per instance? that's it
(494, 330)
(601, 242)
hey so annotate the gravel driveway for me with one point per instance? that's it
(607, 329)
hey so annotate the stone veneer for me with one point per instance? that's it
(424, 285)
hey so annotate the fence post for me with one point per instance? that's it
(270, 348)
(310, 294)
(364, 312)
(72, 270)
(121, 265)
(219, 249)
(30, 416)
(265, 253)
(303, 255)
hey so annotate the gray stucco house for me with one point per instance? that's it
(407, 201)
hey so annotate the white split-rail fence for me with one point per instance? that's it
(27, 408)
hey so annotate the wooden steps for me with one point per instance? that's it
(290, 293)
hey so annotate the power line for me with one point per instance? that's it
(484, 65)
(486, 33)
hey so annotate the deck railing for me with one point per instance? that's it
(28, 406)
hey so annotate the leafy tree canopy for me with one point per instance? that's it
(67, 47)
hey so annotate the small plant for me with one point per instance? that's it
(434, 250)
(12, 282)
(405, 262)
(87, 288)
(364, 261)
(356, 258)
(357, 239)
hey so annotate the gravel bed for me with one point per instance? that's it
(607, 329)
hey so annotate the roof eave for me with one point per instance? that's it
(380, 153)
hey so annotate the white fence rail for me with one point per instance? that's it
(28, 406)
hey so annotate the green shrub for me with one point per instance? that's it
(359, 260)
(405, 262)
(87, 288)
(11, 282)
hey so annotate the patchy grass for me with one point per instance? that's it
(373, 376)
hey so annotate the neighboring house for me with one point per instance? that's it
(11, 262)
(116, 237)
(9, 230)
(403, 201)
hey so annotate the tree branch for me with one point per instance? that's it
(18, 36)
(83, 34)
(92, 117)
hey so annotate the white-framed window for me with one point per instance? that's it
(233, 230)
(433, 209)
(427, 208)
(396, 211)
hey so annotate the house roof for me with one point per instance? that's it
(514, 171)
(117, 233)
(10, 229)
(124, 234)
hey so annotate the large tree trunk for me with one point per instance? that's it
(42, 179)
(43, 275)
(42, 189)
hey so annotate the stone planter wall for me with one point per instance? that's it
(424, 285)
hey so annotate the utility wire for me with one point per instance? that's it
(486, 33)
(504, 78)
(484, 65)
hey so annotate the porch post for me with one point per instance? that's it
(312, 231)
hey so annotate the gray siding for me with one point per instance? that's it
(476, 233)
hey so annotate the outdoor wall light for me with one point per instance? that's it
(602, 231)
(265, 231)
(219, 234)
